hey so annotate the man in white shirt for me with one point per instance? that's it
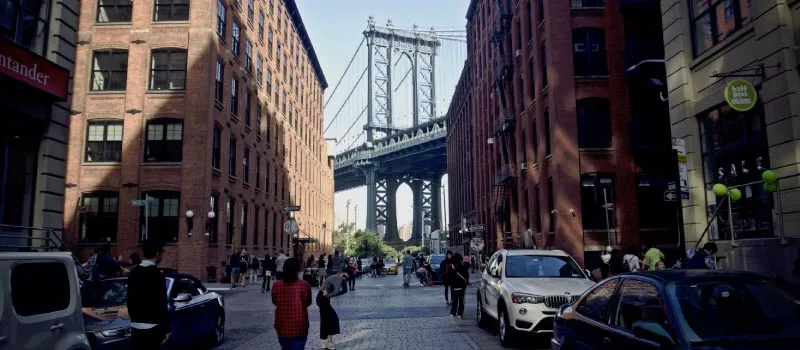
(279, 265)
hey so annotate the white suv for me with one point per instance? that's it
(523, 289)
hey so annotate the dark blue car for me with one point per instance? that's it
(196, 315)
(682, 309)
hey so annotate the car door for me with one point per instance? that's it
(638, 301)
(492, 289)
(484, 282)
(590, 326)
(206, 312)
(43, 300)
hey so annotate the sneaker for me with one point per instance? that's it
(452, 315)
(462, 316)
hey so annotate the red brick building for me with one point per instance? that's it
(210, 109)
(460, 162)
(555, 144)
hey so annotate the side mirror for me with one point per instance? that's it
(183, 297)
(653, 332)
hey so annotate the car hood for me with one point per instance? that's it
(548, 286)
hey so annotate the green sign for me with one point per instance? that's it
(741, 95)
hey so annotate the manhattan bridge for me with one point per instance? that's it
(390, 126)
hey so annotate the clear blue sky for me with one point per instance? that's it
(335, 28)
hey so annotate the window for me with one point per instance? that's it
(248, 56)
(535, 141)
(243, 223)
(266, 227)
(216, 147)
(594, 123)
(40, 288)
(587, 3)
(98, 221)
(589, 52)
(230, 211)
(168, 69)
(541, 11)
(716, 20)
(551, 205)
(519, 33)
(652, 204)
(544, 66)
(103, 141)
(258, 119)
(595, 304)
(248, 96)
(537, 203)
(162, 223)
(164, 140)
(246, 165)
(213, 224)
(234, 96)
(269, 41)
(529, 11)
(547, 146)
(259, 70)
(256, 216)
(258, 171)
(597, 191)
(532, 78)
(26, 23)
(261, 26)
(218, 82)
(278, 59)
(266, 177)
(638, 301)
(171, 10)
(109, 70)
(232, 157)
(221, 11)
(235, 32)
(114, 11)
(250, 11)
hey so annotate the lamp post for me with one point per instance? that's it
(347, 217)
(381, 230)
(426, 232)
(189, 221)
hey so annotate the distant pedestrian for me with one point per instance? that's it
(147, 301)
(105, 266)
(291, 298)
(445, 269)
(465, 261)
(472, 262)
(458, 280)
(603, 271)
(329, 320)
(310, 261)
(267, 271)
(254, 265)
(335, 263)
(279, 261)
(352, 268)
(321, 270)
(243, 265)
(631, 259)
(234, 264)
(408, 268)
(704, 258)
(652, 256)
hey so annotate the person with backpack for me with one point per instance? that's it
(458, 278)
(267, 271)
(631, 259)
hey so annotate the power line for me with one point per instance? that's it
(355, 54)
(345, 101)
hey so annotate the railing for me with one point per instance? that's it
(387, 146)
(25, 238)
(505, 175)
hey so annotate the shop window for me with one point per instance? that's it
(221, 17)
(234, 96)
(168, 69)
(103, 141)
(26, 23)
(246, 165)
(98, 221)
(162, 217)
(235, 37)
(164, 141)
(114, 11)
(216, 147)
(171, 10)
(589, 52)
(594, 123)
(230, 211)
(218, 81)
(715, 20)
(109, 70)
(232, 157)
(735, 152)
(213, 232)
(597, 192)
(248, 56)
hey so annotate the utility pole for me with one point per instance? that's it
(355, 216)
(347, 217)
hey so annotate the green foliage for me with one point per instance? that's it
(360, 243)
(415, 250)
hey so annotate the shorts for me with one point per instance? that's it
(235, 271)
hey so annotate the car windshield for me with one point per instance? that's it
(747, 309)
(436, 260)
(537, 266)
(107, 293)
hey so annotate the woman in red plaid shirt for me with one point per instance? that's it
(291, 297)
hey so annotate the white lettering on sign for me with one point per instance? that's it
(22, 69)
(740, 95)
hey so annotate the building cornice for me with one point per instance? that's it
(297, 20)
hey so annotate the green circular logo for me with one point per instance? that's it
(740, 95)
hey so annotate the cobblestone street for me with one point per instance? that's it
(379, 314)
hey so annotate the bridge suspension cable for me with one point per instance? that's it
(345, 101)
(352, 125)
(355, 139)
(355, 54)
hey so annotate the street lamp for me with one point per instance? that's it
(381, 230)
(426, 232)
(190, 221)
(211, 215)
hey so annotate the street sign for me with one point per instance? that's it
(476, 244)
(670, 196)
(290, 208)
(290, 227)
(139, 202)
(476, 228)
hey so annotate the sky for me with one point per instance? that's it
(336, 27)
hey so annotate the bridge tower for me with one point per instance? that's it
(385, 47)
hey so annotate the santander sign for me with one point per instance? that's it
(32, 69)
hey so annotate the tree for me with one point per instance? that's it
(365, 243)
(341, 235)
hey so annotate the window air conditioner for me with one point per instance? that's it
(519, 53)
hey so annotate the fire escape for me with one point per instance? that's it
(504, 125)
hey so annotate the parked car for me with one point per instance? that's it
(40, 302)
(523, 289)
(390, 265)
(195, 313)
(434, 261)
(682, 309)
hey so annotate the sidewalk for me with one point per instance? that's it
(226, 287)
